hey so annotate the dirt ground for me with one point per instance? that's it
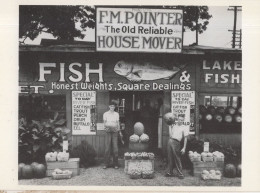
(97, 176)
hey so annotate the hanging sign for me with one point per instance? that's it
(83, 112)
(139, 29)
(183, 102)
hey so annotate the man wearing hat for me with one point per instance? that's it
(111, 123)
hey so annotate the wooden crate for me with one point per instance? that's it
(198, 167)
(136, 163)
(72, 164)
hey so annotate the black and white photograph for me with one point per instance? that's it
(122, 95)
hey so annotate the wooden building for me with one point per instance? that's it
(213, 75)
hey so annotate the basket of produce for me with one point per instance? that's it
(207, 156)
(51, 156)
(145, 156)
(135, 174)
(194, 156)
(218, 156)
(211, 175)
(63, 156)
(139, 156)
(148, 174)
(127, 156)
(58, 174)
(133, 155)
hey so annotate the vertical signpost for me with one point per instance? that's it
(83, 113)
(183, 102)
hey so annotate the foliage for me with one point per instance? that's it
(37, 138)
(67, 22)
(60, 21)
(85, 152)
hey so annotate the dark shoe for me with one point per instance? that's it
(168, 175)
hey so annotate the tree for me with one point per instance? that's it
(63, 22)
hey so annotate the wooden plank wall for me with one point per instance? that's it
(98, 140)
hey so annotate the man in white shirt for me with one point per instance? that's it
(176, 133)
(111, 118)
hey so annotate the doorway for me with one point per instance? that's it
(138, 106)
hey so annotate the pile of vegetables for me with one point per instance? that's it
(59, 171)
(63, 156)
(211, 175)
(141, 155)
(206, 156)
(51, 156)
(194, 156)
(141, 170)
(34, 170)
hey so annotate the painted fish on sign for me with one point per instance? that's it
(136, 72)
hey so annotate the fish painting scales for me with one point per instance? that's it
(136, 72)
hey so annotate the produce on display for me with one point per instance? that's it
(134, 138)
(231, 110)
(239, 170)
(169, 118)
(194, 156)
(230, 171)
(61, 174)
(237, 118)
(27, 172)
(20, 167)
(220, 110)
(211, 109)
(218, 118)
(208, 117)
(211, 175)
(138, 128)
(239, 110)
(228, 118)
(63, 156)
(144, 138)
(51, 156)
(39, 171)
(142, 155)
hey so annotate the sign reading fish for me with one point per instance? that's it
(136, 72)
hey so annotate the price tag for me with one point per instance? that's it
(206, 146)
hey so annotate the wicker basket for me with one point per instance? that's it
(61, 176)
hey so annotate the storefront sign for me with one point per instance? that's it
(83, 112)
(139, 29)
(183, 102)
(221, 73)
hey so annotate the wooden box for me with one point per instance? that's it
(130, 164)
(72, 164)
(198, 167)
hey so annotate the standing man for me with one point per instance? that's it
(176, 133)
(111, 124)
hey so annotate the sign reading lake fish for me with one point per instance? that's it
(139, 30)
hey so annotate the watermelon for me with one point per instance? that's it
(208, 117)
(230, 171)
(211, 109)
(228, 118)
(27, 172)
(138, 128)
(40, 171)
(237, 118)
(218, 118)
(134, 138)
(202, 109)
(239, 170)
(239, 110)
(230, 110)
(169, 118)
(220, 110)
(20, 167)
(144, 138)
